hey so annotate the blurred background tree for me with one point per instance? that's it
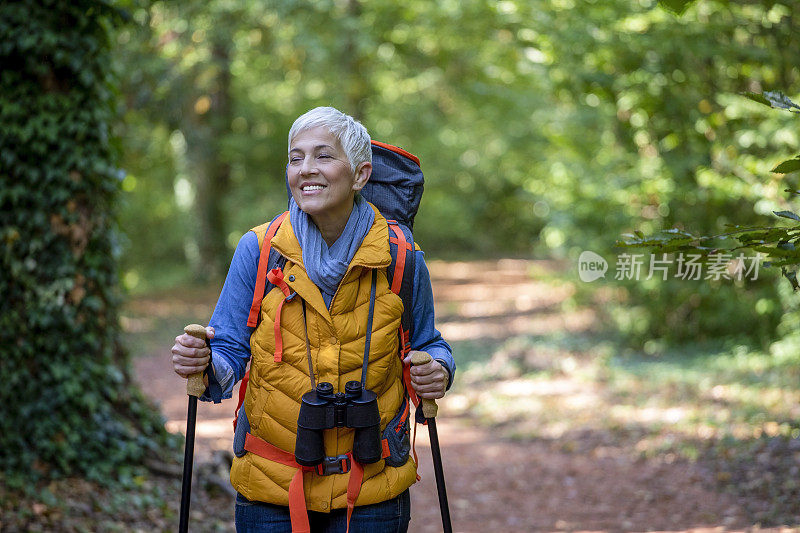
(545, 128)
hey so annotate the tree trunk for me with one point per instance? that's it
(68, 407)
(204, 135)
(357, 78)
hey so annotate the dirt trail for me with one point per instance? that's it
(566, 483)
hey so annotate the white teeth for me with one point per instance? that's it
(313, 187)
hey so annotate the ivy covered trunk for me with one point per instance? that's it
(67, 400)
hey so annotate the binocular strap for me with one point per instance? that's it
(369, 327)
(308, 348)
(367, 341)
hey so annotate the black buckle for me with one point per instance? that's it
(339, 464)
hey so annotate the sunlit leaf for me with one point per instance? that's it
(773, 99)
(779, 100)
(678, 231)
(791, 275)
(790, 165)
(757, 97)
(675, 6)
(787, 214)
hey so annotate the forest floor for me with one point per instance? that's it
(534, 436)
(547, 428)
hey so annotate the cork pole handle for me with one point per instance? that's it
(194, 385)
(429, 407)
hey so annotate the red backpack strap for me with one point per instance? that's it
(242, 391)
(258, 293)
(275, 276)
(402, 272)
(261, 277)
(401, 269)
(400, 262)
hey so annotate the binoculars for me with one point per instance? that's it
(322, 409)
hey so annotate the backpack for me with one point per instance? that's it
(395, 187)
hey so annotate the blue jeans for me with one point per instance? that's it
(385, 517)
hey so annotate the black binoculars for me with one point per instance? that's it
(322, 409)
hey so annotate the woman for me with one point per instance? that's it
(336, 247)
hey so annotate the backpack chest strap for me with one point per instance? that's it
(298, 511)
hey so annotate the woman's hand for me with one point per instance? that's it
(429, 380)
(190, 355)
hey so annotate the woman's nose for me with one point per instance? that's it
(308, 167)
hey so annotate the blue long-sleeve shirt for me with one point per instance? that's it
(230, 347)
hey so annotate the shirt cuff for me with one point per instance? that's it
(220, 378)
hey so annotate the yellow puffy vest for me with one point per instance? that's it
(337, 338)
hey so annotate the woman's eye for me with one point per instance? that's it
(324, 156)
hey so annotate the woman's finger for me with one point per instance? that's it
(431, 391)
(190, 341)
(431, 395)
(186, 351)
(435, 377)
(190, 361)
(186, 366)
(185, 372)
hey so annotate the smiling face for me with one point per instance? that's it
(321, 180)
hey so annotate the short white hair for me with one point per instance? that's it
(351, 133)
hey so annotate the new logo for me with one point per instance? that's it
(591, 266)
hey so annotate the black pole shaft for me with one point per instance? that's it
(188, 460)
(438, 471)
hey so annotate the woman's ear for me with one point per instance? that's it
(363, 172)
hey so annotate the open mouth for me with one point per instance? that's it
(309, 188)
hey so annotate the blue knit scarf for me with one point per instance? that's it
(327, 266)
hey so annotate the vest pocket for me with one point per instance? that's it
(396, 435)
(242, 429)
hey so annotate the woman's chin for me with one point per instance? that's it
(311, 208)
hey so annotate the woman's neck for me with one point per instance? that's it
(331, 228)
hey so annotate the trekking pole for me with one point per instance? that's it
(429, 410)
(194, 388)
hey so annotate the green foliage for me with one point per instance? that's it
(676, 150)
(777, 243)
(407, 73)
(790, 165)
(774, 99)
(676, 6)
(543, 127)
(69, 404)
